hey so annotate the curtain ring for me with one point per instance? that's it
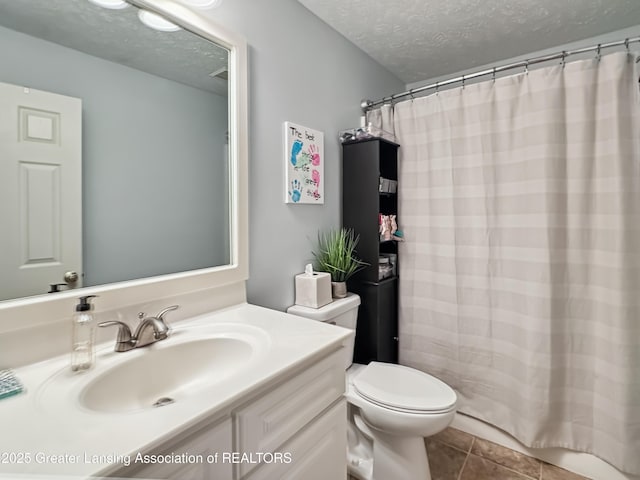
(564, 58)
(526, 67)
(463, 81)
(411, 95)
(598, 52)
(626, 45)
(493, 75)
(437, 88)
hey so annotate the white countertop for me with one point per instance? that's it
(47, 431)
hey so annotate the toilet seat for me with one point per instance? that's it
(403, 389)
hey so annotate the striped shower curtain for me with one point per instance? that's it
(520, 274)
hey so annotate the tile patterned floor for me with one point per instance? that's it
(456, 455)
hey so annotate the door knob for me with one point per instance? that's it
(70, 277)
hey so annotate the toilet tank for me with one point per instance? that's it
(342, 312)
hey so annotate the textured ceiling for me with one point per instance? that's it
(118, 36)
(423, 39)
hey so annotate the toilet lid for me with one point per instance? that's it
(404, 388)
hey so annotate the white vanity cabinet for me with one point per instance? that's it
(296, 429)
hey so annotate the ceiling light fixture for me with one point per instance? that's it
(112, 4)
(157, 22)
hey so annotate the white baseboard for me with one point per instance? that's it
(581, 463)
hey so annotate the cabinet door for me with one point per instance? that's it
(267, 423)
(317, 452)
(377, 328)
(201, 448)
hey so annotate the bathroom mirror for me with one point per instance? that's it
(155, 190)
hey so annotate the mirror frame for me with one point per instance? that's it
(38, 310)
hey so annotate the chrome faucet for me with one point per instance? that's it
(148, 331)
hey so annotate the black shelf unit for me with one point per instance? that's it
(364, 162)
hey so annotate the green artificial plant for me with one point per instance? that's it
(336, 254)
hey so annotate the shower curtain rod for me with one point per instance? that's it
(367, 105)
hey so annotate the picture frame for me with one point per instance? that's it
(304, 164)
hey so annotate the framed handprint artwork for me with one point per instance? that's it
(304, 170)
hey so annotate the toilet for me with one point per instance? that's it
(391, 407)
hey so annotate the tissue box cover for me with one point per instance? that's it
(314, 290)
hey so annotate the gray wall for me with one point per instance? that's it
(300, 70)
(153, 176)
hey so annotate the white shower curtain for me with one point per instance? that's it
(520, 274)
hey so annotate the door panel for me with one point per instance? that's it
(40, 190)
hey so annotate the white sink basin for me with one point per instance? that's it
(166, 373)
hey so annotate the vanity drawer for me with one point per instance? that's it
(271, 420)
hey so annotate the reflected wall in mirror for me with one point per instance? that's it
(145, 111)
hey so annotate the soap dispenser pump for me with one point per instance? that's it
(82, 355)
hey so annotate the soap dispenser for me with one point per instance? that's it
(82, 355)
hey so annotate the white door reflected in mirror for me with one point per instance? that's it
(41, 192)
